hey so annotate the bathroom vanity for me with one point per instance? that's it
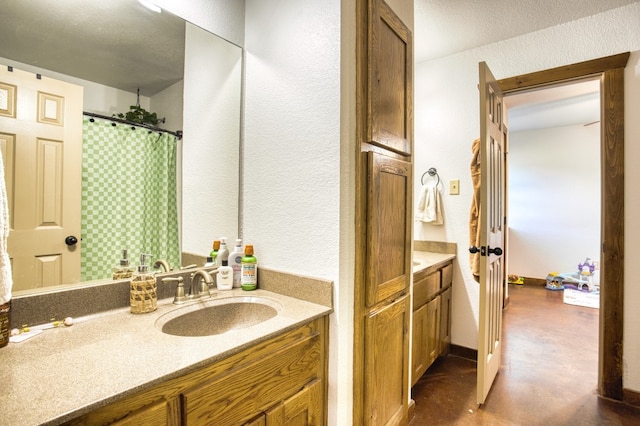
(121, 368)
(431, 334)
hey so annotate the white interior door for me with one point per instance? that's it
(491, 222)
(41, 143)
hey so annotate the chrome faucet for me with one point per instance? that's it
(205, 280)
(162, 264)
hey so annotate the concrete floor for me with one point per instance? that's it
(548, 374)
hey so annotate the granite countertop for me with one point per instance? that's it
(67, 371)
(426, 259)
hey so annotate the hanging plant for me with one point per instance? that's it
(139, 115)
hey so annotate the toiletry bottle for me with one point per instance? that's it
(209, 262)
(235, 261)
(249, 270)
(223, 253)
(224, 277)
(214, 251)
(143, 296)
(123, 270)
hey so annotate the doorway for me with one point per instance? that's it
(554, 203)
(610, 72)
(554, 186)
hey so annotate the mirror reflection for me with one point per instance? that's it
(122, 55)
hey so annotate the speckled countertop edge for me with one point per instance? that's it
(424, 259)
(68, 371)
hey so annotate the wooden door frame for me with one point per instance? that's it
(610, 71)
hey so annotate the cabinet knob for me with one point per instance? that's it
(473, 249)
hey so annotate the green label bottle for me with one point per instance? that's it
(214, 251)
(249, 269)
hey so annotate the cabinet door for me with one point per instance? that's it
(433, 330)
(445, 321)
(155, 414)
(302, 409)
(261, 420)
(251, 389)
(419, 351)
(387, 364)
(390, 76)
(388, 265)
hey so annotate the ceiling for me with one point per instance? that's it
(444, 28)
(118, 43)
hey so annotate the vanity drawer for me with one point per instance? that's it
(447, 275)
(424, 288)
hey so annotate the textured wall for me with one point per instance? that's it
(447, 121)
(292, 159)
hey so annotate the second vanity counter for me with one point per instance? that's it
(426, 260)
(68, 371)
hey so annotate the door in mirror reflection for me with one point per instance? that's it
(41, 142)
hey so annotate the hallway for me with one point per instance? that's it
(548, 374)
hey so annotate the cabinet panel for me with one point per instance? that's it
(386, 364)
(302, 409)
(261, 420)
(419, 350)
(445, 321)
(425, 338)
(425, 288)
(236, 398)
(433, 330)
(388, 228)
(156, 414)
(390, 80)
(447, 276)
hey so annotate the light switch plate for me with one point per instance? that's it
(454, 187)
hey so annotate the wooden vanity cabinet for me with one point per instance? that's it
(431, 333)
(281, 381)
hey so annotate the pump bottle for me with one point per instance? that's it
(235, 261)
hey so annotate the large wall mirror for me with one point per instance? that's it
(124, 54)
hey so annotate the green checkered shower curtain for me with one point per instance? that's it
(128, 196)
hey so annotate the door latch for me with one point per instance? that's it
(483, 250)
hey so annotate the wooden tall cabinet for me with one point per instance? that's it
(383, 215)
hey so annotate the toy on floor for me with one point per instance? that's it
(581, 279)
(554, 281)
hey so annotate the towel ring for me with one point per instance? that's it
(431, 172)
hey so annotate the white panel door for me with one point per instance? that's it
(41, 143)
(492, 220)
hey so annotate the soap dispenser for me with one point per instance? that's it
(123, 270)
(143, 296)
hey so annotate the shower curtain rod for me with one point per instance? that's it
(177, 133)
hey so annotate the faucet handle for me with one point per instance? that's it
(193, 265)
(180, 296)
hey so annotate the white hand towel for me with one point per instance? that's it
(429, 208)
(6, 280)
